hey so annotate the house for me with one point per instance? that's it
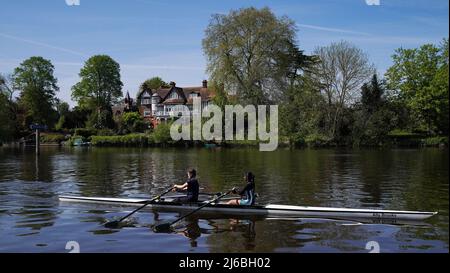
(126, 105)
(163, 104)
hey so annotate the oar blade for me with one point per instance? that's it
(111, 224)
(164, 227)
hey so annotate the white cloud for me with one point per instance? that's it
(337, 30)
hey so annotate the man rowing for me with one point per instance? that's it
(191, 187)
(247, 193)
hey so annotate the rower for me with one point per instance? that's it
(247, 193)
(191, 187)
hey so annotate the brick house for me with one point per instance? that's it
(163, 104)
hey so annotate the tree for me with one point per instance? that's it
(152, 83)
(342, 70)
(34, 78)
(131, 122)
(373, 117)
(6, 86)
(7, 125)
(99, 88)
(63, 110)
(419, 78)
(252, 52)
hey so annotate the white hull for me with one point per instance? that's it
(267, 210)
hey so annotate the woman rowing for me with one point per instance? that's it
(191, 187)
(247, 193)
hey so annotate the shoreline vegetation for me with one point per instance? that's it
(333, 97)
(393, 140)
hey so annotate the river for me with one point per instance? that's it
(32, 219)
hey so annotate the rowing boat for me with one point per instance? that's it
(169, 204)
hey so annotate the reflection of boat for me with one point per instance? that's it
(80, 142)
(168, 204)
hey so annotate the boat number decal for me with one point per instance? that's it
(384, 215)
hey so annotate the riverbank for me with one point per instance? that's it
(151, 140)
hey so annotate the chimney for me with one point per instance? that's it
(205, 83)
(172, 84)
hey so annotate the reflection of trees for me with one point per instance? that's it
(34, 187)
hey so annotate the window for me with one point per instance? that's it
(173, 95)
(147, 113)
(145, 101)
(193, 95)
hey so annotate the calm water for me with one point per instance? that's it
(33, 220)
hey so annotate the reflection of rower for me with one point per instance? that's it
(192, 231)
(247, 227)
(247, 193)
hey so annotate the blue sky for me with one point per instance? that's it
(163, 38)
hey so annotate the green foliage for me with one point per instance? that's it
(373, 118)
(100, 119)
(435, 141)
(60, 124)
(419, 77)
(131, 122)
(299, 113)
(318, 140)
(52, 138)
(152, 83)
(85, 132)
(252, 52)
(105, 132)
(125, 140)
(100, 87)
(34, 78)
(161, 134)
(7, 125)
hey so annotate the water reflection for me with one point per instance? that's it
(387, 179)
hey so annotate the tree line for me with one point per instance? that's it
(333, 96)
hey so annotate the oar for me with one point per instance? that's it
(166, 226)
(112, 224)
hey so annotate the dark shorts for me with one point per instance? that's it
(185, 199)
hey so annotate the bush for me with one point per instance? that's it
(85, 132)
(52, 138)
(105, 132)
(125, 140)
(161, 134)
(435, 141)
(297, 140)
(318, 140)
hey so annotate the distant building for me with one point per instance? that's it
(126, 105)
(165, 103)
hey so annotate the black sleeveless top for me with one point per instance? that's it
(192, 189)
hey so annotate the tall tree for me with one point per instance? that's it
(251, 52)
(373, 117)
(152, 83)
(7, 126)
(419, 77)
(342, 70)
(99, 88)
(37, 85)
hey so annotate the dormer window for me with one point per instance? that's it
(173, 95)
(193, 95)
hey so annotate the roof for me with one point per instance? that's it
(184, 92)
(205, 93)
